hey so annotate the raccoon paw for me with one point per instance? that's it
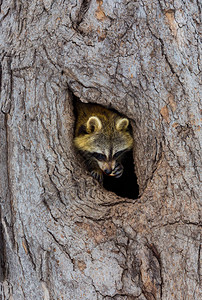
(96, 174)
(118, 170)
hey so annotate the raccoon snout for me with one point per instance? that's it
(108, 171)
(107, 167)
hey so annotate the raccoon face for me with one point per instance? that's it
(107, 144)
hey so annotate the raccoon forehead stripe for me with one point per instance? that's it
(106, 151)
(110, 153)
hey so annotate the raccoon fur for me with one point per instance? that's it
(102, 136)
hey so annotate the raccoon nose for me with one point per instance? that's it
(108, 171)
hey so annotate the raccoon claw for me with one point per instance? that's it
(118, 170)
(97, 175)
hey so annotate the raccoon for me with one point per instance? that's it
(102, 136)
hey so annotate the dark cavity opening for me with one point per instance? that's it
(126, 186)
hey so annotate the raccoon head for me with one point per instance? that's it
(105, 141)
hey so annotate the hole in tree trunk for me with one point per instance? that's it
(126, 185)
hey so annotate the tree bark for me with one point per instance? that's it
(62, 235)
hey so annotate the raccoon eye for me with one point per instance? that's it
(99, 156)
(119, 153)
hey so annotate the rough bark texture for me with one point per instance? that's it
(63, 236)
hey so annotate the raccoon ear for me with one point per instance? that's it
(93, 124)
(122, 124)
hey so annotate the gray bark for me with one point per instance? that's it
(62, 235)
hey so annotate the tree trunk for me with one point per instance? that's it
(63, 236)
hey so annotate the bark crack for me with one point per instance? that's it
(199, 264)
(85, 4)
(49, 209)
(6, 290)
(155, 252)
(49, 58)
(29, 252)
(5, 15)
(62, 248)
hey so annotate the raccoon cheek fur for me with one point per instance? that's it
(118, 170)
